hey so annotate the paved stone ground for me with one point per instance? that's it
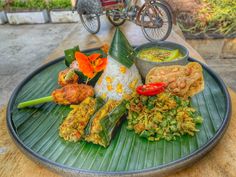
(23, 49)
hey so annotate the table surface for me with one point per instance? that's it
(219, 162)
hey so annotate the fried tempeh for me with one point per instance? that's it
(183, 81)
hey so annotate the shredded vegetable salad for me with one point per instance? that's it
(163, 116)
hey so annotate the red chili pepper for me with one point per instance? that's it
(151, 89)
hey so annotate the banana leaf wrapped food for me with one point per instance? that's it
(72, 128)
(103, 124)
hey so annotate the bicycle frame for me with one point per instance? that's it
(124, 13)
(147, 5)
(148, 15)
(152, 15)
(75, 2)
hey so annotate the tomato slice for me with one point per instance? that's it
(151, 89)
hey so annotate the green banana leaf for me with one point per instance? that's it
(70, 55)
(37, 129)
(111, 122)
(100, 102)
(121, 50)
(83, 78)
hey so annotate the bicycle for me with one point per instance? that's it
(153, 16)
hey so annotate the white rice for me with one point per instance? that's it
(117, 80)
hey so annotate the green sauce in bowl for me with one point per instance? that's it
(162, 53)
(156, 54)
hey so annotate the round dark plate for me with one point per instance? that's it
(35, 132)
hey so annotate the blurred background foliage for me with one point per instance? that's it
(214, 16)
(35, 4)
(28, 4)
(59, 4)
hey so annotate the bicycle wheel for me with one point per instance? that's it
(114, 18)
(156, 27)
(91, 22)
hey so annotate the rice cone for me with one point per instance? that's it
(121, 76)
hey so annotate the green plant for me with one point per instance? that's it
(27, 4)
(220, 15)
(215, 16)
(2, 3)
(59, 4)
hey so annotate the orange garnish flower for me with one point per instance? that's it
(90, 65)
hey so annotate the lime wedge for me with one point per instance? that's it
(173, 55)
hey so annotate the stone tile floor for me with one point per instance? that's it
(24, 48)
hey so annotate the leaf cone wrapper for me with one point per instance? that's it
(121, 50)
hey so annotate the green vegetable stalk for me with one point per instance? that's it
(35, 102)
(63, 95)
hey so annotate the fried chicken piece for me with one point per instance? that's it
(72, 94)
(66, 77)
